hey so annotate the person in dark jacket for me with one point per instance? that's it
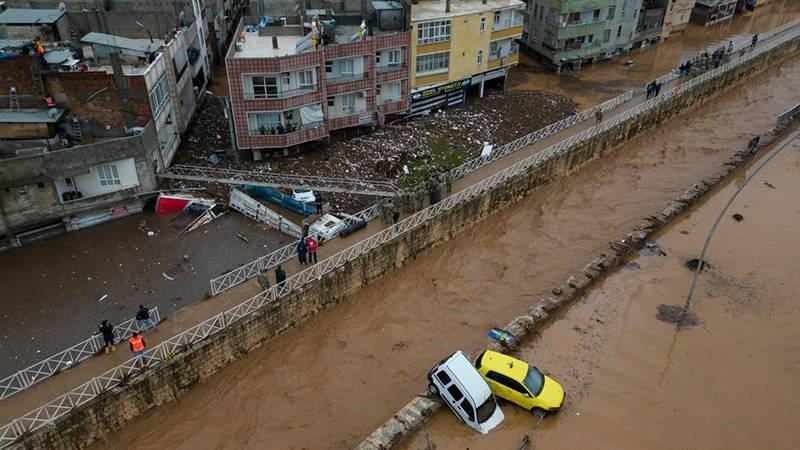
(144, 320)
(107, 330)
(301, 251)
(280, 275)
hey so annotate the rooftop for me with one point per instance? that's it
(255, 46)
(434, 9)
(20, 16)
(31, 115)
(108, 40)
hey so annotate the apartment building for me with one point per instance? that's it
(568, 33)
(676, 16)
(710, 12)
(650, 23)
(299, 78)
(620, 26)
(87, 128)
(458, 44)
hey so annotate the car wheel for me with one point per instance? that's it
(538, 412)
(433, 389)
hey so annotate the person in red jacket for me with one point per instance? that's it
(311, 245)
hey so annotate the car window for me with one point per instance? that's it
(443, 377)
(507, 382)
(534, 380)
(486, 410)
(467, 407)
(455, 392)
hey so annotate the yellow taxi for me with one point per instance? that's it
(517, 382)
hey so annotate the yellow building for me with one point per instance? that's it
(676, 17)
(460, 43)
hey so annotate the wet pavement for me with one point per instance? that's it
(595, 83)
(332, 380)
(635, 382)
(56, 291)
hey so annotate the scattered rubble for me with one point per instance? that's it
(498, 118)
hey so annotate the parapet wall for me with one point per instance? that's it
(111, 409)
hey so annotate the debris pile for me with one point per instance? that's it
(498, 118)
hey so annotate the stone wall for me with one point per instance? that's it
(168, 380)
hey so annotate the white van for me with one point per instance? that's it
(465, 392)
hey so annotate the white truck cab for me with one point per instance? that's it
(465, 392)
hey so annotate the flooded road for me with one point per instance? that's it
(595, 83)
(331, 381)
(634, 382)
(52, 288)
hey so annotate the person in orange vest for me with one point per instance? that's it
(137, 347)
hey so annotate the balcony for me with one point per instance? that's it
(571, 6)
(567, 29)
(344, 77)
(394, 106)
(388, 67)
(305, 133)
(572, 52)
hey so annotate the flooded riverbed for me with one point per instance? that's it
(331, 381)
(635, 382)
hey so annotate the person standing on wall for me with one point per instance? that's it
(144, 320)
(107, 330)
(311, 244)
(137, 348)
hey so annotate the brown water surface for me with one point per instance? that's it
(634, 382)
(332, 380)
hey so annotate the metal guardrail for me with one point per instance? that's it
(65, 359)
(266, 262)
(250, 270)
(269, 179)
(167, 349)
(789, 115)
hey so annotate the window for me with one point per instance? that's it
(607, 36)
(349, 103)
(494, 50)
(486, 410)
(108, 175)
(596, 14)
(346, 67)
(305, 78)
(455, 392)
(159, 95)
(286, 78)
(394, 58)
(506, 381)
(534, 380)
(574, 17)
(433, 63)
(331, 101)
(430, 32)
(611, 11)
(468, 409)
(480, 57)
(328, 66)
(496, 17)
(444, 377)
(483, 24)
(391, 92)
(619, 31)
(263, 122)
(262, 86)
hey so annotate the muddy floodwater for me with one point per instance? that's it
(635, 382)
(332, 380)
(595, 83)
(55, 292)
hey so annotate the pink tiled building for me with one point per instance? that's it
(295, 83)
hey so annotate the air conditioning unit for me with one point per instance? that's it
(239, 46)
(363, 94)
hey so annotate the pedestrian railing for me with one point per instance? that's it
(250, 270)
(279, 256)
(66, 359)
(790, 114)
(181, 342)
